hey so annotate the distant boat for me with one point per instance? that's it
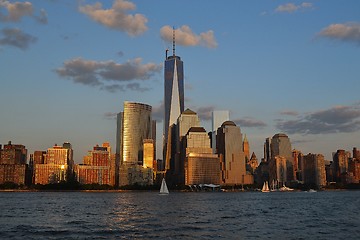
(274, 187)
(265, 187)
(285, 189)
(163, 189)
(312, 190)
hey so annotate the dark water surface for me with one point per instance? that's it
(146, 215)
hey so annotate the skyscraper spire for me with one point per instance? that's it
(174, 41)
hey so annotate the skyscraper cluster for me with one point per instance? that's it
(191, 155)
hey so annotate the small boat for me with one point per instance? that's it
(312, 190)
(163, 189)
(285, 189)
(265, 187)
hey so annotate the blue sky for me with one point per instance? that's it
(66, 67)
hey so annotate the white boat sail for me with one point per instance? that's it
(163, 188)
(265, 187)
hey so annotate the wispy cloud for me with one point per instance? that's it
(249, 122)
(347, 32)
(117, 17)
(184, 36)
(16, 11)
(205, 113)
(16, 38)
(291, 7)
(338, 119)
(110, 115)
(158, 112)
(99, 74)
(289, 113)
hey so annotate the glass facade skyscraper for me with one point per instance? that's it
(173, 95)
(136, 125)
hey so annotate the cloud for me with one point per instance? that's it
(347, 32)
(158, 112)
(249, 122)
(16, 38)
(291, 7)
(110, 115)
(116, 17)
(338, 119)
(205, 113)
(93, 73)
(18, 10)
(289, 113)
(185, 37)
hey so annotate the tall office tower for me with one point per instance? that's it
(173, 96)
(119, 132)
(201, 165)
(278, 170)
(185, 121)
(13, 167)
(218, 118)
(356, 154)
(229, 146)
(296, 154)
(340, 159)
(267, 151)
(313, 173)
(246, 149)
(136, 125)
(280, 146)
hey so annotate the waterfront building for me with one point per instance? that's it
(131, 174)
(280, 146)
(340, 160)
(97, 167)
(136, 125)
(296, 155)
(278, 170)
(201, 165)
(58, 165)
(246, 149)
(13, 167)
(186, 120)
(232, 159)
(252, 164)
(313, 170)
(149, 156)
(218, 117)
(173, 98)
(356, 154)
(267, 150)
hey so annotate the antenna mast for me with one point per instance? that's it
(174, 41)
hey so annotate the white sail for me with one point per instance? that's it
(265, 187)
(164, 189)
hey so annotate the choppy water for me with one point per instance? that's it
(145, 215)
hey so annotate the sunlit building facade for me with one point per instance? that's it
(136, 126)
(58, 165)
(280, 146)
(313, 170)
(218, 117)
(232, 159)
(173, 98)
(149, 157)
(201, 165)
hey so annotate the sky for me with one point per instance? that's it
(66, 68)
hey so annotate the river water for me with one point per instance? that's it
(180, 215)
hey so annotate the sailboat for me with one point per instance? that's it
(265, 187)
(163, 189)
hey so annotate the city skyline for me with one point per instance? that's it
(277, 66)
